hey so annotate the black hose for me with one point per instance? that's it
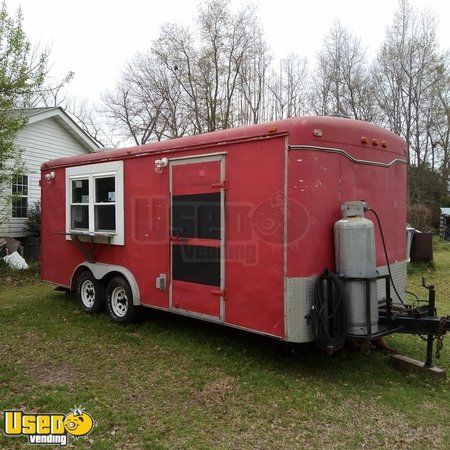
(328, 318)
(386, 254)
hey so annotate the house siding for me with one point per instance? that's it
(40, 141)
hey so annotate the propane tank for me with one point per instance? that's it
(354, 241)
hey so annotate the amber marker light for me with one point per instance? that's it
(317, 132)
(384, 144)
(375, 142)
(364, 140)
(272, 129)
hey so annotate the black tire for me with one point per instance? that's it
(90, 293)
(119, 301)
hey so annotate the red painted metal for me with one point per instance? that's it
(280, 207)
(196, 298)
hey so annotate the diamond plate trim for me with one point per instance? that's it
(400, 277)
(299, 296)
(298, 303)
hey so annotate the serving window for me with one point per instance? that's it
(95, 201)
(79, 206)
(105, 203)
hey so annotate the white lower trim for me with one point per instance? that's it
(99, 270)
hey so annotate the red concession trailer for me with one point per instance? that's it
(232, 227)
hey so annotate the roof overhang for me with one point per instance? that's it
(68, 124)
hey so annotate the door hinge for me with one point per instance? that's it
(223, 185)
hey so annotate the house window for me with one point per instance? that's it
(95, 201)
(19, 191)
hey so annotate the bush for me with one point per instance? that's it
(419, 217)
(33, 222)
(427, 187)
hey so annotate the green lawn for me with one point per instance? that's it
(171, 382)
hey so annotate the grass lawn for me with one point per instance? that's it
(173, 382)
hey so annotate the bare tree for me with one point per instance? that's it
(219, 74)
(52, 93)
(89, 118)
(289, 88)
(250, 105)
(134, 110)
(438, 121)
(408, 70)
(191, 81)
(342, 82)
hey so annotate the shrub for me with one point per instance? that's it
(33, 222)
(419, 217)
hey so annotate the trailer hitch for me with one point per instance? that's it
(421, 320)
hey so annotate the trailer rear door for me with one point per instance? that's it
(197, 236)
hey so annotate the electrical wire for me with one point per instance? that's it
(413, 295)
(328, 318)
(385, 253)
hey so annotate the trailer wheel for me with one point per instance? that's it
(90, 293)
(119, 301)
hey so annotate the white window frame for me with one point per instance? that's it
(91, 172)
(20, 195)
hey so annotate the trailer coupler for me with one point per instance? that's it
(421, 320)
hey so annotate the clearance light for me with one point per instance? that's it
(317, 132)
(272, 129)
(364, 140)
(375, 142)
(384, 144)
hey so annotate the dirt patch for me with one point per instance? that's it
(217, 390)
(49, 374)
(382, 427)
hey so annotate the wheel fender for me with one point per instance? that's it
(99, 270)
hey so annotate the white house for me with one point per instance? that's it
(50, 133)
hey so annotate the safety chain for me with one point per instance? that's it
(440, 335)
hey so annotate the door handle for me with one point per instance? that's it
(218, 293)
(222, 185)
(178, 238)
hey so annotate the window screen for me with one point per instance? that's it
(196, 264)
(105, 190)
(105, 204)
(80, 217)
(105, 217)
(80, 191)
(196, 215)
(80, 204)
